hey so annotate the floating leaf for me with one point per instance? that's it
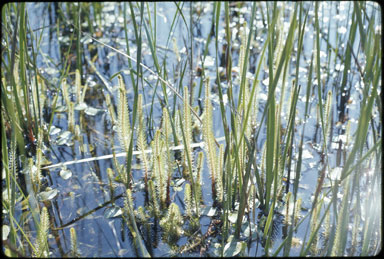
(5, 230)
(123, 252)
(307, 154)
(81, 106)
(208, 211)
(113, 212)
(91, 111)
(5, 195)
(180, 182)
(54, 130)
(232, 217)
(65, 174)
(65, 134)
(248, 229)
(60, 108)
(65, 138)
(47, 195)
(233, 248)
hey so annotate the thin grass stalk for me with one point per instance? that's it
(315, 230)
(127, 41)
(290, 132)
(164, 83)
(271, 141)
(227, 172)
(78, 37)
(253, 93)
(362, 127)
(22, 63)
(207, 43)
(347, 64)
(227, 198)
(135, 100)
(318, 75)
(244, 190)
(17, 121)
(35, 90)
(26, 237)
(338, 246)
(273, 130)
(273, 176)
(273, 80)
(298, 164)
(236, 145)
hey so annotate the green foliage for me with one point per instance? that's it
(172, 224)
(262, 154)
(41, 246)
(154, 203)
(187, 124)
(188, 200)
(141, 140)
(159, 170)
(214, 164)
(124, 126)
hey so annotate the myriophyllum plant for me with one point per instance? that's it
(215, 165)
(124, 126)
(159, 168)
(41, 246)
(74, 249)
(187, 123)
(141, 141)
(188, 201)
(172, 224)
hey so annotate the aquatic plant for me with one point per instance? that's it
(124, 126)
(172, 223)
(270, 77)
(159, 170)
(187, 124)
(214, 164)
(142, 142)
(131, 223)
(41, 246)
(74, 250)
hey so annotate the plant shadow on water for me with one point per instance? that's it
(191, 129)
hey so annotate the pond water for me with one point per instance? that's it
(84, 199)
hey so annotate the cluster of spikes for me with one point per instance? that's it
(159, 164)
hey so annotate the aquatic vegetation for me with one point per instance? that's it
(211, 129)
(41, 246)
(74, 249)
(171, 224)
(124, 125)
(215, 162)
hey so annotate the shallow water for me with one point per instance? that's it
(87, 192)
